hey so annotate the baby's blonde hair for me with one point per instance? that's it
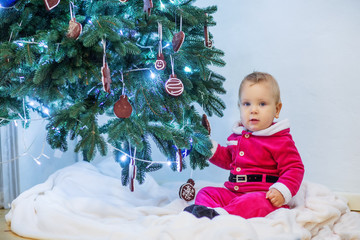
(258, 77)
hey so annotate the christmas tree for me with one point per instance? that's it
(142, 65)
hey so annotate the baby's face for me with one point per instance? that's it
(258, 107)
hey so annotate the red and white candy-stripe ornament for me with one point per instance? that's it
(160, 63)
(173, 85)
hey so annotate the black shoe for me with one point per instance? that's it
(201, 211)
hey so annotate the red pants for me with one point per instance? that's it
(246, 205)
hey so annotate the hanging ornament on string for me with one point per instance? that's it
(205, 123)
(148, 5)
(8, 3)
(105, 71)
(179, 158)
(173, 85)
(75, 28)
(160, 63)
(208, 43)
(51, 4)
(178, 38)
(132, 170)
(187, 190)
(122, 108)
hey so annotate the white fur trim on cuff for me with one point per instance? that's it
(215, 145)
(284, 190)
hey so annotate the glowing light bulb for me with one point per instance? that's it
(162, 6)
(46, 111)
(152, 75)
(187, 69)
(123, 158)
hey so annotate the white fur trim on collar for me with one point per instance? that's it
(277, 127)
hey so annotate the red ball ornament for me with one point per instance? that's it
(187, 190)
(122, 108)
(160, 63)
(174, 86)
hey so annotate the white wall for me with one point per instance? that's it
(312, 48)
(35, 168)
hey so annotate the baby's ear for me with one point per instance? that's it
(278, 109)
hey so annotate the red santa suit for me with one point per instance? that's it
(257, 162)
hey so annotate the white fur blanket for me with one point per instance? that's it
(82, 202)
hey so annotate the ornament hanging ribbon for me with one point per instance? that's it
(178, 38)
(75, 28)
(160, 63)
(105, 71)
(173, 85)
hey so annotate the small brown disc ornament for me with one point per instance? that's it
(160, 63)
(187, 190)
(122, 108)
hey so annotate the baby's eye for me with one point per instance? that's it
(246, 104)
(262, 104)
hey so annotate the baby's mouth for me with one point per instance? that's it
(253, 120)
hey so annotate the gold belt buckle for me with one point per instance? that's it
(241, 178)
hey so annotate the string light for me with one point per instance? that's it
(187, 69)
(162, 6)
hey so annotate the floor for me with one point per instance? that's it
(5, 232)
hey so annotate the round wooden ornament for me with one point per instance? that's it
(160, 63)
(187, 190)
(122, 108)
(174, 86)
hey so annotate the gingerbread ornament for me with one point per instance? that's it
(132, 171)
(179, 160)
(178, 38)
(207, 42)
(187, 190)
(160, 63)
(122, 108)
(50, 4)
(105, 71)
(205, 123)
(74, 29)
(105, 77)
(148, 5)
(173, 85)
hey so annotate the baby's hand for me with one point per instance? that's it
(275, 197)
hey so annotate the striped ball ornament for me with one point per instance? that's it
(174, 86)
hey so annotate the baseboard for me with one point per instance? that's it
(353, 200)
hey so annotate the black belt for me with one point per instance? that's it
(252, 178)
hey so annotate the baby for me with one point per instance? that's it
(265, 167)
